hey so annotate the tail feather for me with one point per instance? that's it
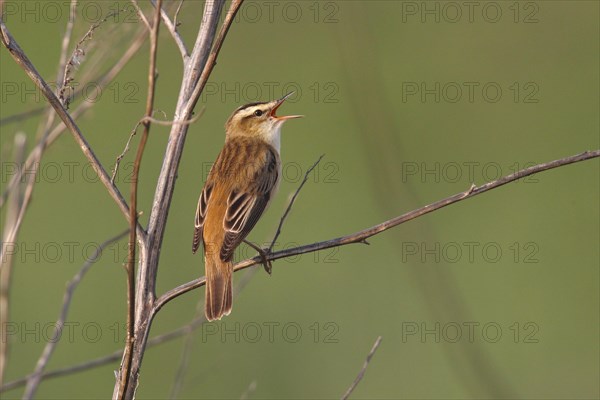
(219, 292)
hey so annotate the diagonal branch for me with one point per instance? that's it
(35, 378)
(362, 236)
(102, 81)
(212, 58)
(172, 28)
(357, 237)
(291, 203)
(363, 369)
(20, 58)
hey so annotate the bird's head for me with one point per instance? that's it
(258, 120)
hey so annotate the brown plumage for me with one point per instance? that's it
(239, 188)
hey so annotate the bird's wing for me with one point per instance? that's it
(246, 203)
(201, 214)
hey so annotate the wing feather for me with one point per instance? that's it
(201, 215)
(244, 208)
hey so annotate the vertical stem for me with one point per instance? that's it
(12, 210)
(133, 216)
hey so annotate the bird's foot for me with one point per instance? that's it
(263, 253)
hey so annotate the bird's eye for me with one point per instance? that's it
(258, 113)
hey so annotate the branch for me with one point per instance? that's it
(57, 131)
(100, 361)
(196, 65)
(189, 339)
(172, 28)
(34, 379)
(212, 59)
(363, 369)
(15, 203)
(20, 58)
(37, 154)
(293, 199)
(134, 132)
(133, 216)
(362, 236)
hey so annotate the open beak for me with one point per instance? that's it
(279, 103)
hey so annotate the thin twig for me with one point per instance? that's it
(62, 62)
(264, 252)
(361, 236)
(11, 119)
(212, 58)
(134, 131)
(141, 15)
(171, 123)
(249, 390)
(172, 28)
(15, 203)
(21, 58)
(39, 150)
(57, 131)
(189, 342)
(76, 59)
(35, 378)
(291, 203)
(363, 369)
(175, 22)
(125, 370)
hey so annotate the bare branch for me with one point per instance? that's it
(175, 22)
(134, 131)
(362, 236)
(19, 56)
(15, 203)
(212, 59)
(37, 154)
(125, 370)
(57, 131)
(66, 41)
(172, 28)
(188, 343)
(293, 199)
(363, 369)
(141, 15)
(251, 388)
(187, 347)
(76, 58)
(35, 378)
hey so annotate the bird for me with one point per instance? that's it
(240, 186)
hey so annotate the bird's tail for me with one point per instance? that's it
(219, 291)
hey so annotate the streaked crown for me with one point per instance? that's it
(258, 120)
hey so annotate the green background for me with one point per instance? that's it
(519, 264)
